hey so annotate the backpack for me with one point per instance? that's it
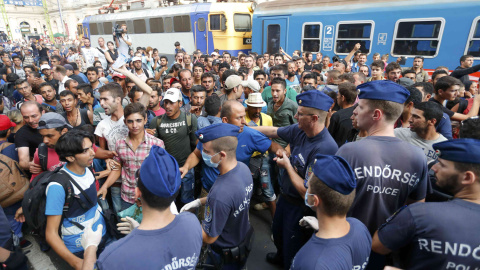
(146, 73)
(188, 117)
(13, 180)
(43, 156)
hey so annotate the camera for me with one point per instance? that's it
(117, 31)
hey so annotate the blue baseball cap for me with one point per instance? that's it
(315, 99)
(459, 150)
(160, 174)
(383, 90)
(335, 172)
(215, 131)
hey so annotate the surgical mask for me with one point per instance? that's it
(208, 160)
(306, 199)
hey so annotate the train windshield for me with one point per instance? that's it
(242, 22)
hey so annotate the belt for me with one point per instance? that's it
(116, 184)
(239, 253)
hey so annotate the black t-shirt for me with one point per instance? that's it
(76, 78)
(28, 137)
(53, 83)
(341, 125)
(3, 71)
(43, 53)
(445, 109)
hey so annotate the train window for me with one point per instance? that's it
(168, 24)
(311, 36)
(139, 27)
(242, 22)
(93, 29)
(201, 24)
(353, 32)
(417, 37)
(181, 23)
(217, 22)
(156, 25)
(273, 38)
(473, 44)
(107, 28)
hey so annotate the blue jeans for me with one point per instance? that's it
(261, 172)
(116, 198)
(125, 205)
(188, 187)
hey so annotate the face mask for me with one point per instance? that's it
(306, 199)
(208, 160)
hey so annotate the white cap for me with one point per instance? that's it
(233, 81)
(252, 84)
(42, 67)
(136, 58)
(172, 94)
(255, 100)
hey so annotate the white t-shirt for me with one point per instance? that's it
(101, 57)
(123, 48)
(89, 55)
(112, 131)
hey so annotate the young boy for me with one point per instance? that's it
(377, 71)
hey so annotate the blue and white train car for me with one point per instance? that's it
(439, 30)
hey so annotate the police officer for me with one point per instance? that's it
(340, 242)
(441, 235)
(178, 238)
(226, 227)
(390, 172)
(307, 138)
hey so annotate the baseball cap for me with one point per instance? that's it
(215, 53)
(216, 62)
(68, 67)
(252, 84)
(120, 75)
(42, 67)
(6, 123)
(136, 58)
(172, 94)
(233, 81)
(52, 120)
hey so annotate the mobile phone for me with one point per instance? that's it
(402, 61)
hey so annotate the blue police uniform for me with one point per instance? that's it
(226, 210)
(350, 251)
(175, 246)
(388, 170)
(249, 141)
(439, 235)
(288, 236)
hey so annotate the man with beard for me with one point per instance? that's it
(49, 98)
(199, 94)
(186, 80)
(142, 73)
(208, 81)
(422, 132)
(292, 79)
(154, 103)
(92, 75)
(434, 230)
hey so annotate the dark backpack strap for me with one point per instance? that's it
(100, 50)
(146, 72)
(43, 156)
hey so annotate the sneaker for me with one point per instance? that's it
(260, 206)
(25, 244)
(274, 259)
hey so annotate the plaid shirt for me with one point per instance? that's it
(132, 161)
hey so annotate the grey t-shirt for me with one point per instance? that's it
(405, 134)
(388, 172)
(176, 135)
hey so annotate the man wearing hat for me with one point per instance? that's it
(233, 88)
(140, 72)
(252, 86)
(226, 226)
(441, 235)
(77, 72)
(307, 139)
(259, 162)
(48, 76)
(390, 172)
(339, 242)
(71, 74)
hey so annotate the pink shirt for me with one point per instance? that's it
(159, 111)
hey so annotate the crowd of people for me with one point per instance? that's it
(361, 164)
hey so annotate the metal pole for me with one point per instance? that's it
(61, 18)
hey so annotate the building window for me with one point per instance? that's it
(417, 37)
(139, 27)
(242, 22)
(351, 33)
(311, 37)
(473, 43)
(156, 25)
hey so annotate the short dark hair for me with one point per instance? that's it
(21, 81)
(95, 69)
(164, 57)
(309, 76)
(334, 202)
(318, 67)
(431, 110)
(464, 57)
(470, 128)
(228, 73)
(392, 66)
(207, 75)
(415, 95)
(281, 67)
(35, 74)
(12, 77)
(183, 71)
(378, 63)
(71, 143)
(135, 107)
(259, 72)
(438, 72)
(68, 82)
(224, 65)
(419, 57)
(131, 93)
(4, 133)
(152, 200)
(198, 64)
(349, 91)
(446, 82)
(198, 88)
(212, 105)
(115, 90)
(427, 87)
(408, 71)
(280, 81)
(17, 57)
(74, 65)
(86, 88)
(56, 57)
(347, 77)
(43, 85)
(65, 93)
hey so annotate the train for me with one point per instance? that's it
(440, 31)
(198, 26)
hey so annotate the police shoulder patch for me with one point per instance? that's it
(208, 213)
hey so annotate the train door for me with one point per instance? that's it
(274, 35)
(201, 37)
